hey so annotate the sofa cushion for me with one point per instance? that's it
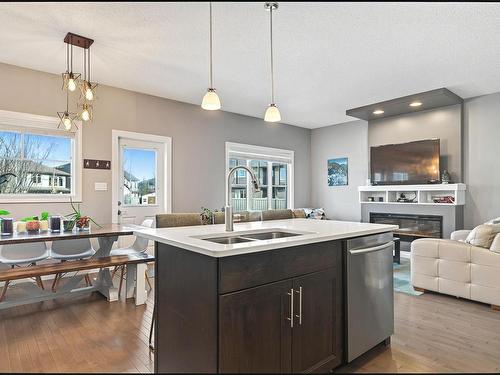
(495, 245)
(483, 235)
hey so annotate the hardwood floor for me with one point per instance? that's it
(437, 333)
(81, 334)
(434, 333)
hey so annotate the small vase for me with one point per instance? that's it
(33, 226)
(445, 178)
(68, 225)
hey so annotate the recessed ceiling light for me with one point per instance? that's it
(415, 104)
(378, 112)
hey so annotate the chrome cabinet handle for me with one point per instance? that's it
(300, 305)
(291, 308)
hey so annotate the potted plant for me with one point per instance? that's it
(82, 222)
(32, 224)
(207, 216)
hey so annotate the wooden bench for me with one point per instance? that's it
(71, 266)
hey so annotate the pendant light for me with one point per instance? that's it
(87, 87)
(70, 79)
(67, 118)
(272, 112)
(211, 101)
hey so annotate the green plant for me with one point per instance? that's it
(29, 218)
(4, 212)
(44, 215)
(79, 219)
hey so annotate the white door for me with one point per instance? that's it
(141, 180)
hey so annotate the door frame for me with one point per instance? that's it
(115, 167)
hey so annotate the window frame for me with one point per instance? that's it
(46, 125)
(272, 155)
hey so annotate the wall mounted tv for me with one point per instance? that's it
(406, 163)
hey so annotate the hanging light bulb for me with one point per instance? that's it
(71, 83)
(211, 101)
(66, 118)
(89, 94)
(86, 113)
(67, 121)
(272, 112)
(87, 88)
(69, 78)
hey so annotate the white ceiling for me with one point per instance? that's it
(329, 57)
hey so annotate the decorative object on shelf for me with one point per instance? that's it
(211, 101)
(404, 199)
(7, 225)
(371, 199)
(207, 216)
(338, 172)
(272, 113)
(445, 178)
(443, 199)
(96, 164)
(380, 199)
(82, 222)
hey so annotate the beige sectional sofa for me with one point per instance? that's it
(459, 268)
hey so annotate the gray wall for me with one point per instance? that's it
(344, 140)
(198, 140)
(482, 159)
(442, 123)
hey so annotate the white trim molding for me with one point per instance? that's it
(115, 168)
(270, 154)
(46, 125)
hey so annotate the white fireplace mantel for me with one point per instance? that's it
(422, 194)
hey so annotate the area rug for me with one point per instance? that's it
(402, 278)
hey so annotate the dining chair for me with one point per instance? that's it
(67, 250)
(18, 255)
(140, 245)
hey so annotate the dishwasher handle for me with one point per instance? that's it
(370, 249)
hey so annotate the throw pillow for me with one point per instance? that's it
(483, 235)
(494, 221)
(315, 213)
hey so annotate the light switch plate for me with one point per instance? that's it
(100, 186)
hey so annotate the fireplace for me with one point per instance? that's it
(411, 227)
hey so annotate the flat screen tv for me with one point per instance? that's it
(405, 163)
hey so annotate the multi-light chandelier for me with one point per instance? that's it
(72, 81)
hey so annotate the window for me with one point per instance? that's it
(139, 176)
(38, 162)
(274, 170)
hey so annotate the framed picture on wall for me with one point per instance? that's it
(338, 172)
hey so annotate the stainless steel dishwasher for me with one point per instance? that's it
(370, 292)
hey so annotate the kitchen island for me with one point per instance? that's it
(268, 297)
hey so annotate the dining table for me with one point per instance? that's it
(106, 235)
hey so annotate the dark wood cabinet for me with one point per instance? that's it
(277, 311)
(317, 332)
(254, 333)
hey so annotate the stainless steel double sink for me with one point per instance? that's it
(235, 238)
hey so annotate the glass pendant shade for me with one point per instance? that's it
(211, 101)
(86, 113)
(272, 114)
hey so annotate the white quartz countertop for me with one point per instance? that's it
(191, 238)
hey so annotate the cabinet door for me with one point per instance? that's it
(254, 333)
(317, 332)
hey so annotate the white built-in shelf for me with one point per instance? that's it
(422, 194)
